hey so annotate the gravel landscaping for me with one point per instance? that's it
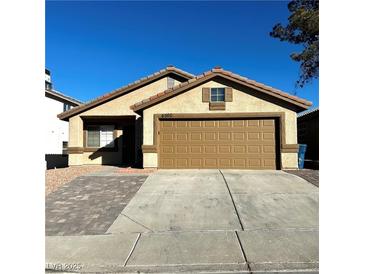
(58, 177)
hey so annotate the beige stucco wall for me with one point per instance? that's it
(116, 107)
(191, 102)
(289, 160)
(150, 160)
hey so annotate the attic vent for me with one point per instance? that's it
(170, 82)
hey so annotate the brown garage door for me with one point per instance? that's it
(241, 144)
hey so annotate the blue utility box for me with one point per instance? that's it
(301, 155)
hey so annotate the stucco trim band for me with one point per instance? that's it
(149, 149)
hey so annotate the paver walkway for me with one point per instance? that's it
(89, 204)
(310, 175)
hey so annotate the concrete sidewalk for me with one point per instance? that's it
(203, 221)
(215, 251)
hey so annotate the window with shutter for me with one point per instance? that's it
(217, 94)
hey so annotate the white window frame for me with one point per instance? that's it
(106, 136)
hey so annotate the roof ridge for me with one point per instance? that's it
(139, 81)
(217, 70)
(169, 68)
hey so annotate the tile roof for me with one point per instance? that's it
(120, 91)
(217, 71)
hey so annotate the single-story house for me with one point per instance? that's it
(173, 119)
(308, 133)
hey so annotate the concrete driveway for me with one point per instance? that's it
(206, 220)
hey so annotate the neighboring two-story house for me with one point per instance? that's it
(56, 130)
(173, 119)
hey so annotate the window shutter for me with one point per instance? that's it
(206, 94)
(228, 94)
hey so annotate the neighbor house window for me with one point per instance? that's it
(100, 136)
(170, 82)
(217, 94)
(66, 107)
(64, 147)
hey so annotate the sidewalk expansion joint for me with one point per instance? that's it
(243, 253)
(230, 194)
(134, 221)
(132, 249)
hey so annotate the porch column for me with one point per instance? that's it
(75, 141)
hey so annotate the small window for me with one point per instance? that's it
(170, 82)
(48, 86)
(217, 95)
(66, 107)
(64, 147)
(100, 136)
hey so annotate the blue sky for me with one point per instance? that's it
(95, 47)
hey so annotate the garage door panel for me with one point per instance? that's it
(209, 124)
(196, 163)
(224, 124)
(268, 149)
(167, 163)
(239, 149)
(210, 149)
(269, 163)
(237, 136)
(239, 163)
(167, 149)
(268, 136)
(210, 136)
(253, 136)
(253, 163)
(211, 162)
(182, 124)
(224, 136)
(167, 136)
(195, 124)
(182, 162)
(241, 144)
(225, 162)
(253, 123)
(196, 136)
(182, 149)
(167, 124)
(253, 149)
(238, 124)
(224, 149)
(196, 149)
(181, 136)
(268, 123)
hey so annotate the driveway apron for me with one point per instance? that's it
(187, 200)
